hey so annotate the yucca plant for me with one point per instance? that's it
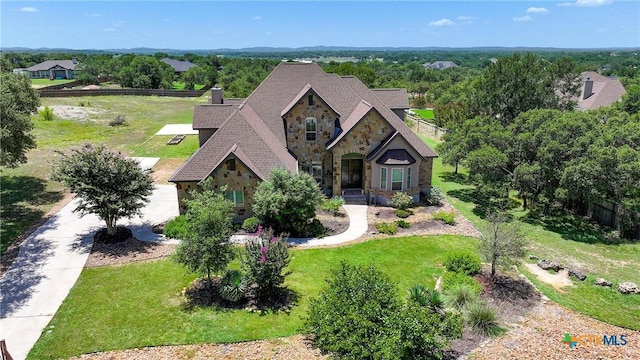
(46, 113)
(461, 295)
(233, 286)
(483, 319)
(418, 293)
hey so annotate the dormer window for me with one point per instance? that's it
(310, 98)
(231, 164)
(311, 126)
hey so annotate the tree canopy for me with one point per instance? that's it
(17, 102)
(107, 183)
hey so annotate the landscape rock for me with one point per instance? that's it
(549, 265)
(628, 288)
(159, 228)
(577, 274)
(602, 282)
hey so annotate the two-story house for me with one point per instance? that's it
(347, 136)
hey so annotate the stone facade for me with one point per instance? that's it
(424, 182)
(310, 151)
(363, 138)
(239, 179)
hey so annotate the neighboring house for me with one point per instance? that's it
(348, 137)
(440, 65)
(179, 66)
(53, 69)
(598, 90)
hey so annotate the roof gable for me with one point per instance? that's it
(304, 91)
(50, 64)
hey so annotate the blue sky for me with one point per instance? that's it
(192, 25)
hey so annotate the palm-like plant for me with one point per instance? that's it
(233, 286)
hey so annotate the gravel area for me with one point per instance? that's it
(290, 348)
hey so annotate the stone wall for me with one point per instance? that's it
(313, 150)
(424, 128)
(426, 169)
(362, 139)
(239, 179)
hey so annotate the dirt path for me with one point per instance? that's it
(557, 280)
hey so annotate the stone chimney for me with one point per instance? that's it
(588, 89)
(216, 95)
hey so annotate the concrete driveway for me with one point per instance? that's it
(50, 261)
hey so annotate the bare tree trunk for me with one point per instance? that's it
(456, 172)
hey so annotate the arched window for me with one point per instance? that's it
(311, 126)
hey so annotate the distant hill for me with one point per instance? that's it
(145, 50)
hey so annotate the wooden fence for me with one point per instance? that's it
(422, 127)
(111, 92)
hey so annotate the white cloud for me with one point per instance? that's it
(257, 17)
(93, 15)
(466, 18)
(587, 3)
(442, 22)
(523, 18)
(537, 10)
(28, 9)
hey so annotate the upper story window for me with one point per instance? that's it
(231, 164)
(311, 126)
(311, 101)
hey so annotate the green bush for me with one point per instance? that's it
(422, 296)
(449, 217)
(266, 257)
(461, 295)
(176, 228)
(286, 202)
(435, 196)
(233, 286)
(402, 213)
(463, 262)
(401, 200)
(360, 316)
(333, 205)
(46, 113)
(483, 319)
(251, 224)
(403, 224)
(315, 228)
(450, 279)
(387, 228)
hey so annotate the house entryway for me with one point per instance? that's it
(352, 173)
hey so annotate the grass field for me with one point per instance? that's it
(178, 85)
(40, 83)
(563, 240)
(27, 193)
(139, 305)
(426, 114)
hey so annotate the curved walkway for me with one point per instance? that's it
(50, 261)
(358, 225)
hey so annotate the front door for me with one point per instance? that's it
(352, 173)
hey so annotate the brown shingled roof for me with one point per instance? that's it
(254, 130)
(605, 91)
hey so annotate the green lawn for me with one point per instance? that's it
(426, 114)
(138, 305)
(563, 240)
(27, 193)
(178, 85)
(40, 83)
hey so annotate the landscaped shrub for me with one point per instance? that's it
(117, 121)
(402, 213)
(176, 228)
(251, 224)
(426, 297)
(315, 228)
(403, 224)
(387, 228)
(360, 316)
(435, 196)
(286, 202)
(401, 200)
(461, 295)
(266, 257)
(463, 262)
(449, 217)
(483, 319)
(233, 286)
(46, 113)
(333, 205)
(450, 279)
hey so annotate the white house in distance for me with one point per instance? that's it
(53, 69)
